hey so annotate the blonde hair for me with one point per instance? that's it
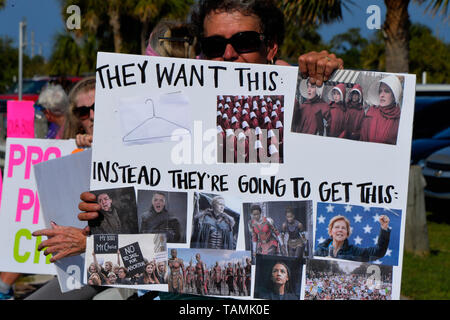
(337, 218)
(173, 39)
(73, 124)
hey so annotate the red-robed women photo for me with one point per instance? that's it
(381, 121)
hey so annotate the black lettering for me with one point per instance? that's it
(131, 175)
(181, 75)
(347, 190)
(100, 74)
(103, 172)
(216, 74)
(114, 170)
(241, 75)
(326, 196)
(200, 78)
(126, 75)
(388, 197)
(364, 191)
(115, 76)
(273, 85)
(155, 177)
(142, 68)
(165, 75)
(255, 81)
(124, 171)
(143, 175)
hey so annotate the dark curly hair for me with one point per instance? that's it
(270, 16)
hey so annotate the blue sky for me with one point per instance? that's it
(44, 18)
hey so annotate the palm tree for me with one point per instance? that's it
(396, 31)
(307, 12)
(395, 28)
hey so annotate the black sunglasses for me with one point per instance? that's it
(242, 42)
(83, 112)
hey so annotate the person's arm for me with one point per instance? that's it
(378, 251)
(62, 241)
(118, 258)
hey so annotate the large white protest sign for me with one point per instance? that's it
(253, 141)
(20, 214)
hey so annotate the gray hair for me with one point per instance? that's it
(54, 99)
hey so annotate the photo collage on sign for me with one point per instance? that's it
(238, 195)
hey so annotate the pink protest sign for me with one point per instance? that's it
(20, 119)
(1, 187)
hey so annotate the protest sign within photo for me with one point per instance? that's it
(279, 228)
(118, 213)
(346, 280)
(360, 233)
(163, 212)
(20, 213)
(278, 278)
(215, 221)
(356, 105)
(210, 272)
(139, 262)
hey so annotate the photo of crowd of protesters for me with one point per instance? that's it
(279, 228)
(367, 110)
(250, 129)
(109, 273)
(341, 280)
(210, 272)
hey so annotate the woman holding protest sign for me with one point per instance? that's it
(234, 31)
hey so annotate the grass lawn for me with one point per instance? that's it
(428, 278)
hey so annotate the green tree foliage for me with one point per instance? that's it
(427, 52)
(303, 18)
(72, 56)
(300, 40)
(349, 46)
(9, 62)
(112, 26)
(307, 12)
(430, 54)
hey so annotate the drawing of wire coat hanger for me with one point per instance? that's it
(158, 127)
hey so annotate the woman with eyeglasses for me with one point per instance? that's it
(80, 118)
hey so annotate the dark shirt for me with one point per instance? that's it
(108, 222)
(351, 252)
(162, 222)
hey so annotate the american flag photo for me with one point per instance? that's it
(364, 228)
